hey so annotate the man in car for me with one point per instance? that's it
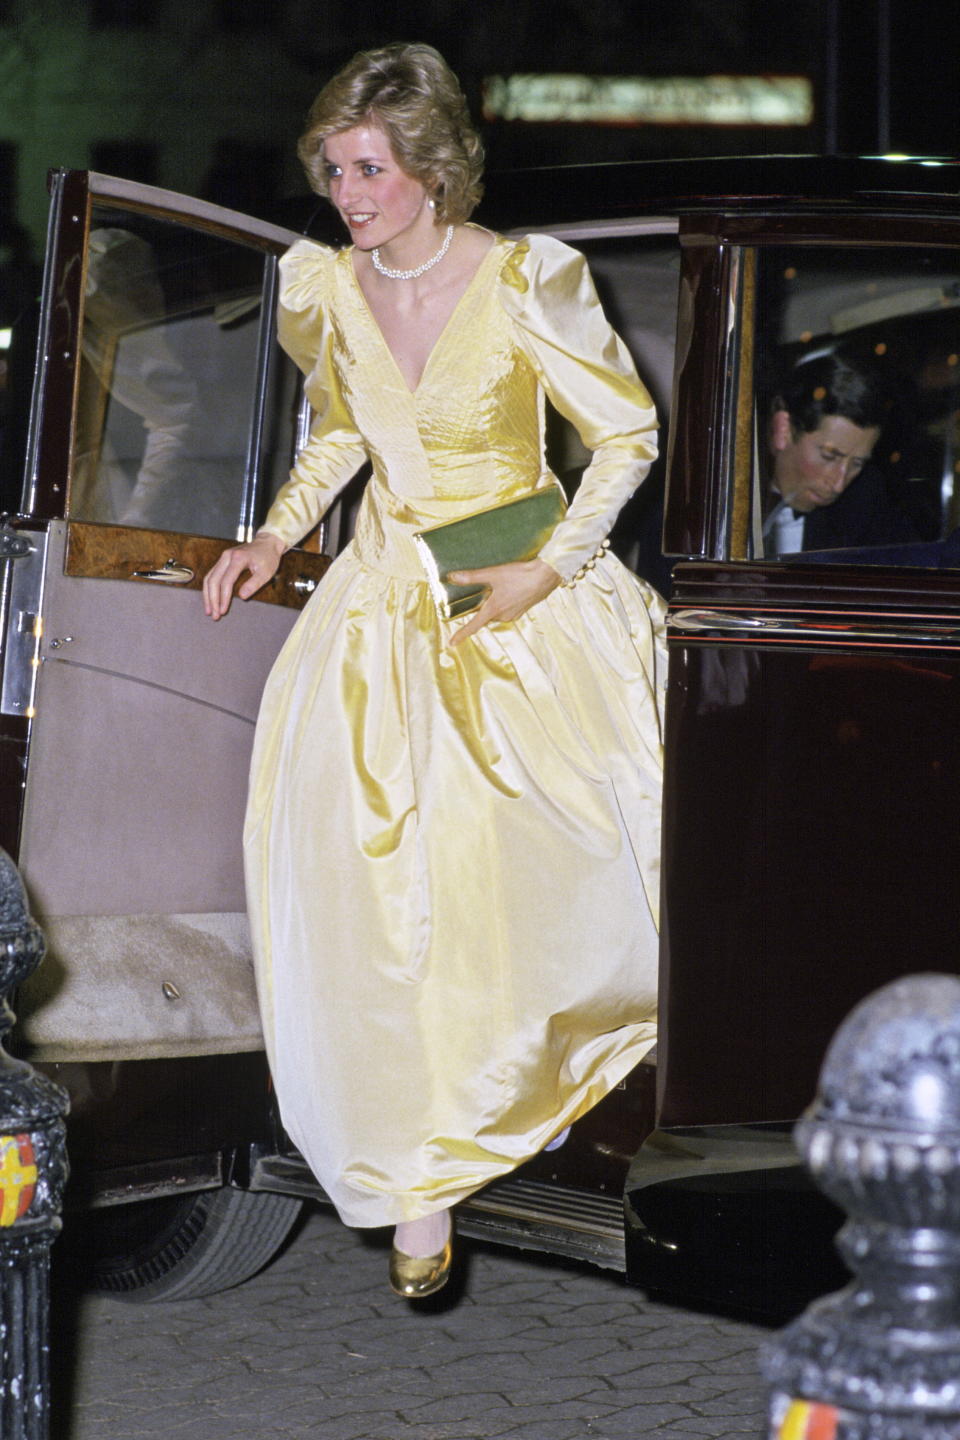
(823, 494)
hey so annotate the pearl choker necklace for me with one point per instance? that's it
(382, 269)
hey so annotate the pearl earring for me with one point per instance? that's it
(432, 204)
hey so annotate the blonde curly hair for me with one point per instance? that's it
(415, 98)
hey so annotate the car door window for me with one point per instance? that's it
(169, 434)
(856, 391)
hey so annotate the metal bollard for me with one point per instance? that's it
(880, 1360)
(33, 1171)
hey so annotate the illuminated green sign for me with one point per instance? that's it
(637, 100)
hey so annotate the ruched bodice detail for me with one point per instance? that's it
(471, 434)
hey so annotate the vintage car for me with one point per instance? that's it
(812, 752)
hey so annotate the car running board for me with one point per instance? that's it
(527, 1214)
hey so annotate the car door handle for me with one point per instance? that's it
(172, 573)
(696, 622)
(705, 622)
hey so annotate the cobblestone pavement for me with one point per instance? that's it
(317, 1346)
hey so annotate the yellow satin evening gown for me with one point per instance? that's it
(453, 855)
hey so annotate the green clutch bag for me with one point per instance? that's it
(515, 531)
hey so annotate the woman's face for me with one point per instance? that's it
(376, 199)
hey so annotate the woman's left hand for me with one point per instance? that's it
(511, 590)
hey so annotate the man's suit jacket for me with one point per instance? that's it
(865, 514)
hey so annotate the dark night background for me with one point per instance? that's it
(208, 96)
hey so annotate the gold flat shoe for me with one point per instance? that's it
(414, 1277)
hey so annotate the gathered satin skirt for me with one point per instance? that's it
(452, 872)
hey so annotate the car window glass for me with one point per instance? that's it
(169, 380)
(857, 396)
(637, 279)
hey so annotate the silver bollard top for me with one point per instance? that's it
(895, 1061)
(878, 1359)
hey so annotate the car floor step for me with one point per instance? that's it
(529, 1214)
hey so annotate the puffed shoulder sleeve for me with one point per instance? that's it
(586, 370)
(335, 451)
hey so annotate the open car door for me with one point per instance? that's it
(164, 418)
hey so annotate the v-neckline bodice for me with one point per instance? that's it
(414, 391)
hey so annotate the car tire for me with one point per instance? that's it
(179, 1247)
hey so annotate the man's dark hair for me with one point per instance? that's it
(834, 384)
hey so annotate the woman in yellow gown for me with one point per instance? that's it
(452, 836)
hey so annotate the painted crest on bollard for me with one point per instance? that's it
(18, 1177)
(803, 1420)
